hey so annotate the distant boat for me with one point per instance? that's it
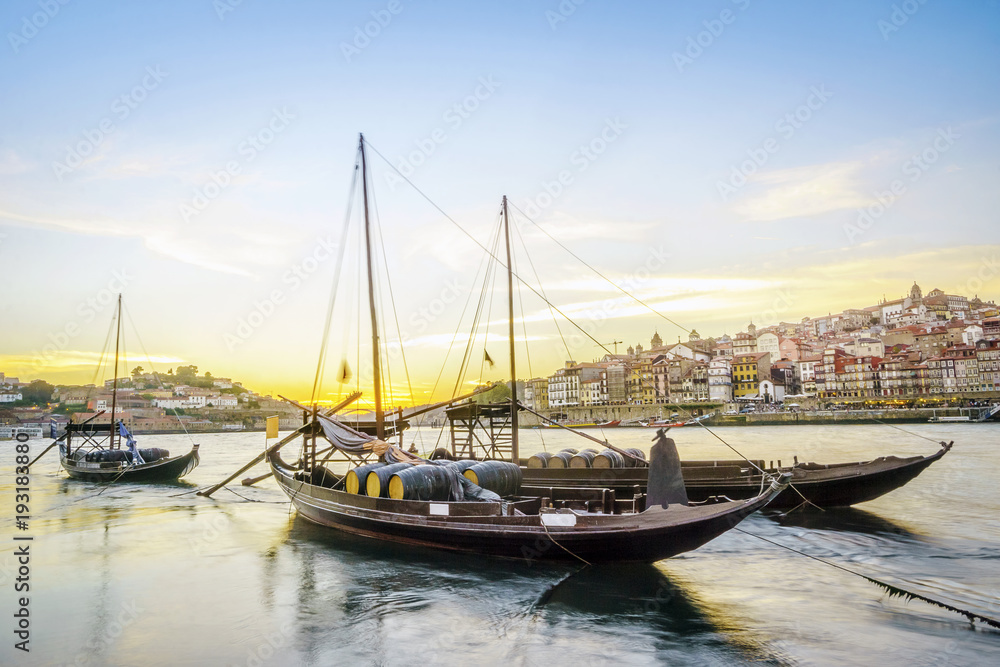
(823, 485)
(963, 418)
(608, 424)
(97, 455)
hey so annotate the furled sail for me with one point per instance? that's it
(344, 437)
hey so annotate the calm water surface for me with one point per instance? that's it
(151, 575)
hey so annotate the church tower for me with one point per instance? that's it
(656, 341)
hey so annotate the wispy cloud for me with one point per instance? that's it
(803, 192)
(11, 163)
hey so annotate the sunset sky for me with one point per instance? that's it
(725, 161)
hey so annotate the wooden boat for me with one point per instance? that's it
(432, 504)
(608, 424)
(159, 469)
(823, 485)
(599, 529)
(98, 456)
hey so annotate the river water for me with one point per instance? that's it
(154, 575)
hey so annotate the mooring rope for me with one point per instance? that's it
(546, 528)
(892, 590)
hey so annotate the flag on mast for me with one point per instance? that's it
(489, 359)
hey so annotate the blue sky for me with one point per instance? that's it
(678, 98)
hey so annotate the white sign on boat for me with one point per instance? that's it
(565, 520)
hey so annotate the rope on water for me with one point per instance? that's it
(251, 500)
(893, 591)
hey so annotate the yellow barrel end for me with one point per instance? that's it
(396, 488)
(352, 483)
(373, 486)
(471, 476)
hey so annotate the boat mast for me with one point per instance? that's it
(514, 454)
(114, 382)
(376, 360)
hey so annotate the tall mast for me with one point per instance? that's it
(376, 360)
(114, 382)
(515, 455)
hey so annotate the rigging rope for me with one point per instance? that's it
(608, 280)
(321, 363)
(142, 346)
(536, 292)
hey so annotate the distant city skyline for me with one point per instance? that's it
(725, 161)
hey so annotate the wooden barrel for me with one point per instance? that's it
(500, 477)
(154, 454)
(539, 460)
(638, 454)
(424, 482)
(571, 451)
(584, 459)
(609, 458)
(354, 482)
(377, 480)
(560, 460)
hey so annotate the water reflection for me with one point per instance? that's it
(843, 519)
(435, 602)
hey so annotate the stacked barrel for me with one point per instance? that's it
(406, 481)
(589, 458)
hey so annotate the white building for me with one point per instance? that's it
(720, 380)
(223, 401)
(865, 347)
(972, 334)
(171, 403)
(594, 391)
(10, 398)
(771, 392)
(805, 373)
(769, 342)
(564, 388)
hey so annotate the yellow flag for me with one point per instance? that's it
(272, 427)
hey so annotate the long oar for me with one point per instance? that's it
(260, 457)
(257, 459)
(54, 443)
(250, 481)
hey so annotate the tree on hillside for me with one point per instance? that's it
(136, 372)
(36, 393)
(187, 371)
(497, 394)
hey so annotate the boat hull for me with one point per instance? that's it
(164, 470)
(837, 485)
(648, 536)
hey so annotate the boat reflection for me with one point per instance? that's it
(392, 593)
(843, 519)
